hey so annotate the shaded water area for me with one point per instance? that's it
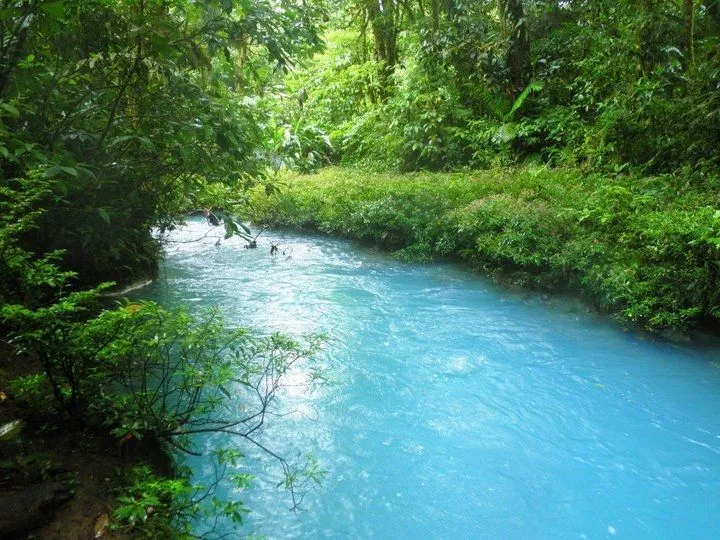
(460, 410)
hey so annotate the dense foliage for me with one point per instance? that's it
(623, 98)
(157, 378)
(631, 246)
(117, 117)
(603, 85)
(120, 116)
(136, 112)
(142, 374)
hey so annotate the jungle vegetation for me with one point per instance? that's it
(570, 143)
(117, 117)
(584, 136)
(597, 85)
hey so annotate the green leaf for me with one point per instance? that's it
(86, 172)
(57, 169)
(226, 5)
(55, 9)
(53, 171)
(119, 140)
(146, 144)
(231, 228)
(27, 62)
(10, 109)
(534, 86)
(104, 215)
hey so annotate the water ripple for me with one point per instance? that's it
(459, 410)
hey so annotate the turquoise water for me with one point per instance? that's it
(460, 410)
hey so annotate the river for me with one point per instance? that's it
(457, 409)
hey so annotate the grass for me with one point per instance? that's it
(644, 249)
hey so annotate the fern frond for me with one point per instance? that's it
(495, 104)
(533, 86)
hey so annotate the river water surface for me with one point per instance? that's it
(457, 409)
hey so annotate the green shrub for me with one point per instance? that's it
(147, 505)
(646, 249)
(34, 391)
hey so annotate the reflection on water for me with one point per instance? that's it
(459, 410)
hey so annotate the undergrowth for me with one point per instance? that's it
(645, 249)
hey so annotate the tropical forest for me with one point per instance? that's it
(359, 269)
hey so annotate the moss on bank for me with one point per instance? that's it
(645, 249)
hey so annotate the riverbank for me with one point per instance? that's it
(61, 479)
(455, 408)
(646, 250)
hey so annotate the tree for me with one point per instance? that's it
(383, 17)
(689, 42)
(133, 108)
(619, 81)
(514, 29)
(117, 116)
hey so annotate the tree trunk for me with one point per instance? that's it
(554, 13)
(13, 30)
(383, 23)
(514, 29)
(689, 46)
(646, 45)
